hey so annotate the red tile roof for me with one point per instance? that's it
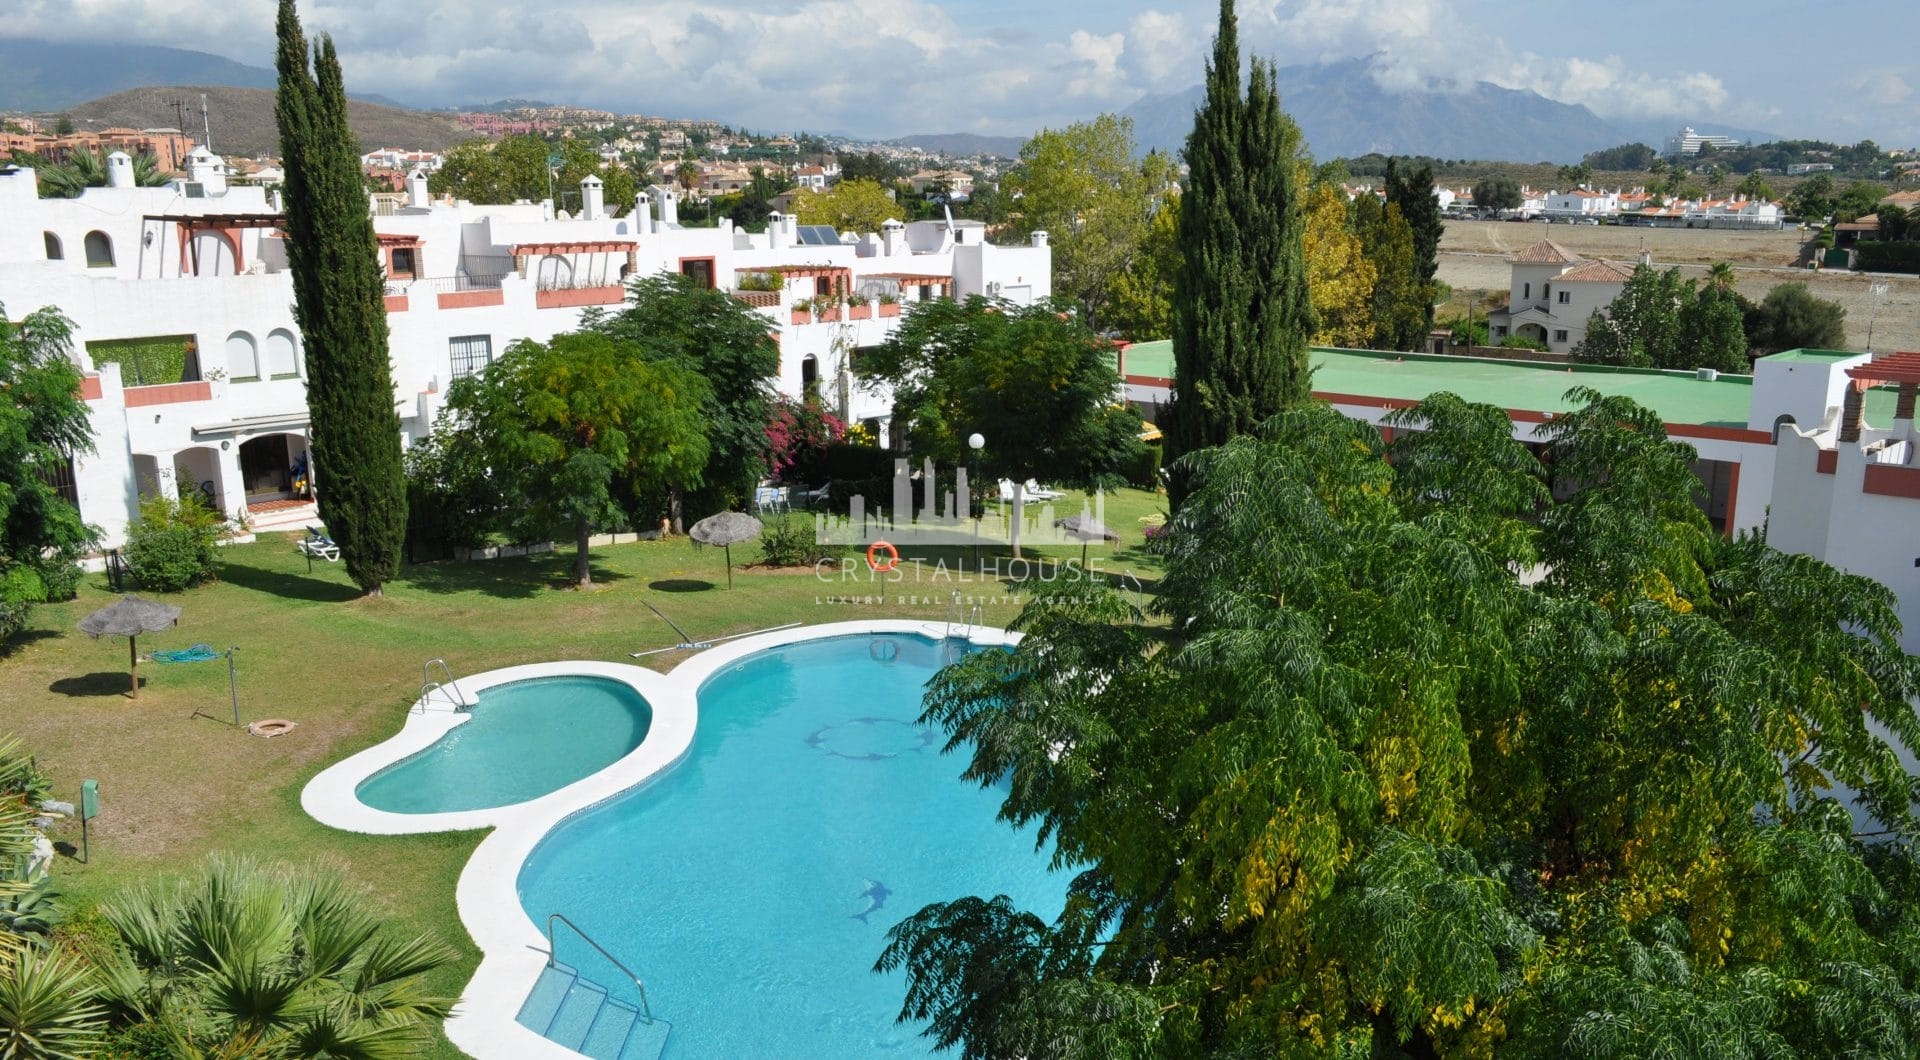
(1545, 252)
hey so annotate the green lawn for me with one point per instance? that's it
(177, 781)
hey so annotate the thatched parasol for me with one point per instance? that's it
(129, 617)
(726, 530)
(1085, 528)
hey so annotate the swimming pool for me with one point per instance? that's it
(752, 886)
(523, 739)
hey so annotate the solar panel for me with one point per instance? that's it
(818, 236)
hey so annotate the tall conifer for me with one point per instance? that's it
(1241, 315)
(1413, 193)
(338, 300)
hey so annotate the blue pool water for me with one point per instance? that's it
(752, 886)
(525, 739)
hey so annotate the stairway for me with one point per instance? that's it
(576, 1012)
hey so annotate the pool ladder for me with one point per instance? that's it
(429, 686)
(962, 618)
(553, 957)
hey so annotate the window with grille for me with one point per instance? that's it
(60, 476)
(1566, 297)
(1560, 335)
(470, 353)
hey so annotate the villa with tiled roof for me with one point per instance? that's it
(1553, 293)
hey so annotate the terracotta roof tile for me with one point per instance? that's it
(1545, 252)
(1597, 272)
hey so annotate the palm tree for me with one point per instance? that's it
(267, 961)
(86, 169)
(1720, 276)
(48, 1009)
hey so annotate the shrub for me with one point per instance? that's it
(790, 542)
(451, 502)
(60, 575)
(1521, 342)
(171, 546)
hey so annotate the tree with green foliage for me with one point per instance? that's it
(1755, 187)
(1242, 314)
(1497, 193)
(1413, 194)
(1575, 176)
(1792, 317)
(338, 300)
(1629, 158)
(1035, 381)
(521, 167)
(1365, 793)
(849, 206)
(870, 165)
(1083, 186)
(267, 961)
(44, 424)
(567, 424)
(1640, 328)
(1399, 299)
(1140, 297)
(1812, 199)
(670, 319)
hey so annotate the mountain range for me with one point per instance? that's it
(1342, 111)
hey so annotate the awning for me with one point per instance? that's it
(253, 425)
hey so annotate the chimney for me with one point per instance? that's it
(1039, 238)
(643, 214)
(593, 198)
(417, 196)
(207, 170)
(669, 209)
(893, 237)
(1646, 256)
(1852, 412)
(119, 170)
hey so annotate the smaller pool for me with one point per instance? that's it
(524, 740)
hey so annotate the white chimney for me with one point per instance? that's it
(417, 196)
(593, 198)
(669, 209)
(643, 214)
(119, 170)
(207, 170)
(893, 237)
(776, 230)
(1039, 238)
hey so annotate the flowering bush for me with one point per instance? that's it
(797, 436)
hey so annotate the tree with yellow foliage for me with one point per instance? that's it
(1340, 277)
(849, 206)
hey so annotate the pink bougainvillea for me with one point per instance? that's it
(797, 435)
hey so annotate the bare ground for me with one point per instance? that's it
(1474, 257)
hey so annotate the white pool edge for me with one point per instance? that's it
(513, 948)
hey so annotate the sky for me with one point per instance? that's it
(1840, 70)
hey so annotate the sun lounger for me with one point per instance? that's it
(317, 545)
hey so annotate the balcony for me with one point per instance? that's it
(168, 394)
(567, 297)
(465, 291)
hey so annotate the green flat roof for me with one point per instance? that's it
(1678, 397)
(1811, 356)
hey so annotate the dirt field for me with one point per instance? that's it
(1473, 257)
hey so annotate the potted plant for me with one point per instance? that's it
(803, 311)
(857, 308)
(889, 305)
(826, 309)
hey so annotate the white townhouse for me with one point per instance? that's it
(1582, 204)
(1553, 292)
(194, 367)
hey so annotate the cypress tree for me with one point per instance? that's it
(1414, 195)
(338, 301)
(1241, 315)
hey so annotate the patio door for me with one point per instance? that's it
(264, 467)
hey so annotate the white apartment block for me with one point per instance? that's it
(202, 264)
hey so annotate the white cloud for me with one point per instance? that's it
(1098, 58)
(1882, 87)
(1162, 53)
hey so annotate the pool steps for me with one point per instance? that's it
(570, 1010)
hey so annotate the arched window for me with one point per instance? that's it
(279, 359)
(243, 358)
(54, 250)
(99, 251)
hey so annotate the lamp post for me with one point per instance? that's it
(976, 442)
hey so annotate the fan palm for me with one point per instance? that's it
(264, 961)
(47, 1007)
